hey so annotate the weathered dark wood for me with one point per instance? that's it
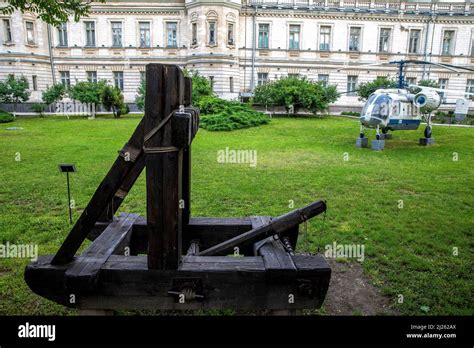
(228, 282)
(83, 275)
(163, 96)
(99, 201)
(280, 225)
(209, 231)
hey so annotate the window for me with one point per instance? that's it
(443, 84)
(145, 36)
(324, 78)
(30, 33)
(470, 89)
(324, 38)
(172, 34)
(354, 38)
(231, 84)
(142, 76)
(384, 39)
(194, 34)
(262, 78)
(263, 30)
(230, 33)
(411, 80)
(414, 41)
(351, 85)
(90, 33)
(294, 37)
(211, 80)
(212, 33)
(116, 34)
(65, 78)
(62, 35)
(7, 31)
(92, 76)
(118, 79)
(35, 82)
(448, 42)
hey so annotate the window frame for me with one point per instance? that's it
(139, 33)
(419, 40)
(63, 35)
(260, 80)
(166, 37)
(66, 79)
(452, 45)
(93, 30)
(93, 79)
(33, 31)
(356, 82)
(389, 39)
(359, 47)
(329, 43)
(230, 38)
(7, 30)
(112, 22)
(300, 31)
(119, 82)
(267, 37)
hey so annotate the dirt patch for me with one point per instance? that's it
(351, 292)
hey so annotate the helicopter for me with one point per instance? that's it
(404, 107)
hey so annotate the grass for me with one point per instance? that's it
(408, 251)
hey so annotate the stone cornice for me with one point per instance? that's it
(357, 16)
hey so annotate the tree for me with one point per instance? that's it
(364, 90)
(88, 93)
(112, 100)
(140, 97)
(296, 92)
(53, 94)
(14, 90)
(201, 86)
(53, 12)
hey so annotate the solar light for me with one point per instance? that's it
(68, 168)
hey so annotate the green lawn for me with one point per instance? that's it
(408, 251)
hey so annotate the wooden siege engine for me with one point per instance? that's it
(170, 260)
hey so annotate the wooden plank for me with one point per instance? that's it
(99, 201)
(83, 275)
(280, 225)
(209, 232)
(163, 96)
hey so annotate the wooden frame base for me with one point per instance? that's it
(106, 276)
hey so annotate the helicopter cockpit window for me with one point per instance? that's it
(382, 107)
(368, 103)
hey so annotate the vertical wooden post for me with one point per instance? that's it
(186, 177)
(162, 169)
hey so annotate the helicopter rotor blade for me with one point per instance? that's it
(447, 91)
(442, 65)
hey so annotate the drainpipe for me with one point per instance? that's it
(51, 60)
(252, 78)
(425, 53)
(433, 20)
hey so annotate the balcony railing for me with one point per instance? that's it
(387, 6)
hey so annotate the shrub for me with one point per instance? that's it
(224, 115)
(14, 90)
(112, 100)
(38, 108)
(6, 117)
(350, 113)
(296, 92)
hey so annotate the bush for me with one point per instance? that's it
(6, 117)
(223, 115)
(296, 92)
(350, 113)
(38, 108)
(364, 90)
(54, 94)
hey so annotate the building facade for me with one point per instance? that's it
(240, 44)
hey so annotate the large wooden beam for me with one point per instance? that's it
(164, 94)
(83, 275)
(101, 198)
